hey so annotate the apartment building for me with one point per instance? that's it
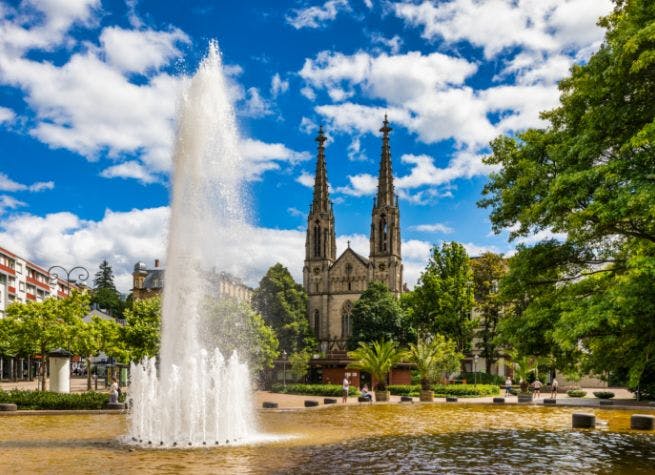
(22, 281)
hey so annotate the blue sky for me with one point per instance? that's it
(88, 93)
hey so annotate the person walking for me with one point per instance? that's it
(537, 388)
(345, 388)
(508, 386)
(553, 389)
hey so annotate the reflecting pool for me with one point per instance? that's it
(418, 438)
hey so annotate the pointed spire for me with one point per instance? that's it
(385, 179)
(321, 201)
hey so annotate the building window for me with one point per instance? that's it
(317, 239)
(383, 233)
(19, 268)
(317, 324)
(346, 320)
(21, 286)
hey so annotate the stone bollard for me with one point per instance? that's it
(451, 399)
(606, 402)
(269, 405)
(406, 399)
(499, 400)
(583, 421)
(8, 406)
(550, 401)
(329, 400)
(642, 422)
(310, 403)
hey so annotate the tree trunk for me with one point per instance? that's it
(43, 370)
(88, 373)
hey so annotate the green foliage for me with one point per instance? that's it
(443, 299)
(576, 393)
(488, 270)
(433, 357)
(234, 326)
(588, 299)
(54, 401)
(377, 359)
(283, 305)
(377, 315)
(299, 362)
(104, 293)
(442, 390)
(142, 329)
(327, 390)
(483, 378)
(604, 394)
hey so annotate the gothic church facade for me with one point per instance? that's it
(334, 284)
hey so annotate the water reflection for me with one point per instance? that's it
(418, 438)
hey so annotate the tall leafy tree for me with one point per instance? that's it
(377, 315)
(142, 330)
(283, 305)
(488, 269)
(105, 295)
(590, 175)
(376, 358)
(443, 299)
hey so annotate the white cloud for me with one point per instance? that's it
(307, 126)
(295, 212)
(541, 235)
(359, 185)
(474, 250)
(7, 184)
(262, 157)
(393, 44)
(308, 93)
(141, 50)
(6, 115)
(433, 228)
(306, 179)
(316, 16)
(9, 202)
(278, 85)
(129, 169)
(255, 105)
(355, 151)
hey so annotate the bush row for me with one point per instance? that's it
(313, 389)
(482, 378)
(56, 401)
(446, 389)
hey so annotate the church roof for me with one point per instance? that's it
(361, 258)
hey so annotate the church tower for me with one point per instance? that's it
(385, 262)
(320, 246)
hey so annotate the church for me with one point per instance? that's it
(333, 284)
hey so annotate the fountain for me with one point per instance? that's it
(196, 395)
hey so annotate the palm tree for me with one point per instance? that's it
(377, 359)
(433, 356)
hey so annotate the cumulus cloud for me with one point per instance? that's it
(255, 105)
(6, 115)
(7, 184)
(278, 85)
(306, 179)
(316, 16)
(262, 156)
(432, 228)
(8, 202)
(129, 169)
(359, 185)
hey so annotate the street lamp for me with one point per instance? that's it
(475, 368)
(84, 274)
(284, 368)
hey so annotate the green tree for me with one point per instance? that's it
(40, 327)
(142, 330)
(299, 362)
(590, 175)
(488, 269)
(434, 356)
(104, 294)
(443, 299)
(92, 338)
(283, 304)
(377, 359)
(377, 315)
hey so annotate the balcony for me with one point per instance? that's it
(11, 290)
(30, 296)
(7, 269)
(38, 283)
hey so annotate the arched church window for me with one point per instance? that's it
(317, 239)
(346, 319)
(317, 324)
(383, 233)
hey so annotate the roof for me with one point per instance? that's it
(154, 279)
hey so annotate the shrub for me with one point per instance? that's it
(482, 378)
(54, 401)
(313, 389)
(604, 394)
(576, 393)
(442, 390)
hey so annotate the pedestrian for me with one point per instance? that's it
(553, 389)
(113, 391)
(508, 386)
(537, 388)
(345, 389)
(366, 394)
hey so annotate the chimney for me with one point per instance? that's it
(156, 263)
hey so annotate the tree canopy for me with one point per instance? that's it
(283, 305)
(104, 294)
(589, 175)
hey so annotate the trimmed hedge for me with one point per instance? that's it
(482, 378)
(313, 389)
(55, 401)
(604, 394)
(442, 390)
(576, 393)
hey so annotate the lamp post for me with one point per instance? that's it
(84, 274)
(284, 369)
(475, 369)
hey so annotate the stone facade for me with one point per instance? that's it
(334, 284)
